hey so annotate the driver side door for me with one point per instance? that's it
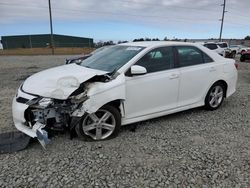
(157, 90)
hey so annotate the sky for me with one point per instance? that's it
(126, 19)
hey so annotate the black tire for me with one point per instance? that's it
(208, 98)
(116, 116)
(242, 58)
(233, 54)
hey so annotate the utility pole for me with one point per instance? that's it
(30, 41)
(222, 19)
(51, 30)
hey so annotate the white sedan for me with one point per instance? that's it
(215, 47)
(123, 84)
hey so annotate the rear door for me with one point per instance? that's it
(197, 72)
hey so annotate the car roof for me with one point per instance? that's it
(157, 43)
(202, 43)
(221, 42)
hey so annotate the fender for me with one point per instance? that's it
(100, 94)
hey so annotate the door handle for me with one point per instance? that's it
(212, 69)
(173, 76)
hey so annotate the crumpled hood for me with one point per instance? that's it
(59, 82)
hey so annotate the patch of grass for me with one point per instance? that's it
(46, 51)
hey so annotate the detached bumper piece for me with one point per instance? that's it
(13, 141)
(42, 135)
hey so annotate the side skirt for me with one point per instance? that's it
(126, 121)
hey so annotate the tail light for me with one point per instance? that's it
(237, 66)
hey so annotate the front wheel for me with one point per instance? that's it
(215, 96)
(105, 123)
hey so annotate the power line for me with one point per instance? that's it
(75, 11)
(237, 13)
(140, 3)
(143, 3)
(162, 5)
(103, 12)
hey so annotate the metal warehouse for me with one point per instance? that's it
(43, 40)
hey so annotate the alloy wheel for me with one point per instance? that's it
(216, 96)
(99, 125)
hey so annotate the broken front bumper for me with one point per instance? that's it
(18, 110)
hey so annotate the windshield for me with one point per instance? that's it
(112, 58)
(100, 49)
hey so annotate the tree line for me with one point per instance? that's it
(106, 43)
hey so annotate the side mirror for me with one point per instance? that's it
(138, 70)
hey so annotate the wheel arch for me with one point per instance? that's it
(242, 51)
(207, 103)
(223, 82)
(118, 104)
(91, 106)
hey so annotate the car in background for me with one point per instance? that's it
(214, 47)
(228, 53)
(244, 48)
(245, 55)
(124, 84)
(239, 49)
(223, 45)
(80, 58)
(235, 49)
(77, 59)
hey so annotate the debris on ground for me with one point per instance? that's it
(13, 141)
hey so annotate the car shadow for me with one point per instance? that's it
(134, 126)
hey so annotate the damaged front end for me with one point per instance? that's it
(59, 104)
(46, 114)
(37, 116)
(42, 115)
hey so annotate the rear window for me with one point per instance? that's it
(190, 55)
(222, 45)
(211, 46)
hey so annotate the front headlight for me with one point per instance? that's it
(40, 102)
(44, 102)
(33, 101)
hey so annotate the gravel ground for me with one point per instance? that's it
(195, 148)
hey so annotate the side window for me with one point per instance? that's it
(189, 55)
(158, 60)
(207, 59)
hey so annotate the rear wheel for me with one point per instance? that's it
(105, 123)
(215, 96)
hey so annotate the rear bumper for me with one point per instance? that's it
(232, 84)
